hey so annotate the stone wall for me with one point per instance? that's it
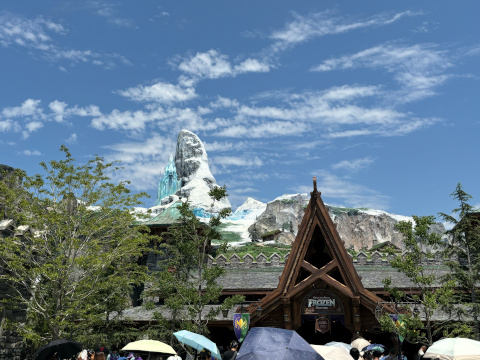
(275, 260)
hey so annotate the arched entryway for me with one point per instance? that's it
(337, 331)
(323, 318)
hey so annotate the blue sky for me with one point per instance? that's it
(378, 99)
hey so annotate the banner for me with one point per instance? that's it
(398, 322)
(241, 323)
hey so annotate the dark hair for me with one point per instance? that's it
(100, 355)
(354, 353)
(233, 344)
(377, 353)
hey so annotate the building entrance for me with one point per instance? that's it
(338, 332)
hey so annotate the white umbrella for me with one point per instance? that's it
(339, 344)
(454, 349)
(360, 343)
(332, 352)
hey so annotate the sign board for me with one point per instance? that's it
(322, 324)
(322, 302)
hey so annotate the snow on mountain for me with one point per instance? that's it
(243, 218)
(194, 173)
(250, 209)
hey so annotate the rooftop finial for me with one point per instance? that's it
(315, 191)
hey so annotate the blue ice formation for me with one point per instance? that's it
(239, 215)
(169, 184)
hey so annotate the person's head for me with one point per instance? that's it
(424, 347)
(367, 355)
(234, 345)
(354, 353)
(100, 356)
(376, 354)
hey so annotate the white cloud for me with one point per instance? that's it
(223, 102)
(247, 190)
(305, 28)
(418, 69)
(213, 65)
(144, 161)
(72, 139)
(29, 108)
(160, 92)
(210, 65)
(264, 130)
(334, 109)
(252, 65)
(31, 127)
(31, 153)
(9, 125)
(58, 109)
(227, 161)
(36, 34)
(353, 165)
(217, 146)
(16, 30)
(110, 13)
(342, 192)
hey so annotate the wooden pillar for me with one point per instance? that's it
(357, 320)
(287, 313)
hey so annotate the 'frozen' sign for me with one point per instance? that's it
(322, 302)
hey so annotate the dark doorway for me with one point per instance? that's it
(338, 330)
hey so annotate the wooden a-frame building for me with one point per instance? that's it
(319, 289)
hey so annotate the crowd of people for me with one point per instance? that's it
(105, 354)
(391, 355)
(232, 351)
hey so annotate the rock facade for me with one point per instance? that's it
(194, 173)
(360, 229)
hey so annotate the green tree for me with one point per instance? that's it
(73, 271)
(253, 234)
(464, 264)
(419, 243)
(188, 284)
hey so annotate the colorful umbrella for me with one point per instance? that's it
(198, 342)
(454, 349)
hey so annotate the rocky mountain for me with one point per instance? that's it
(359, 228)
(194, 173)
(250, 209)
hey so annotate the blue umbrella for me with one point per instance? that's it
(198, 342)
(275, 344)
(374, 347)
